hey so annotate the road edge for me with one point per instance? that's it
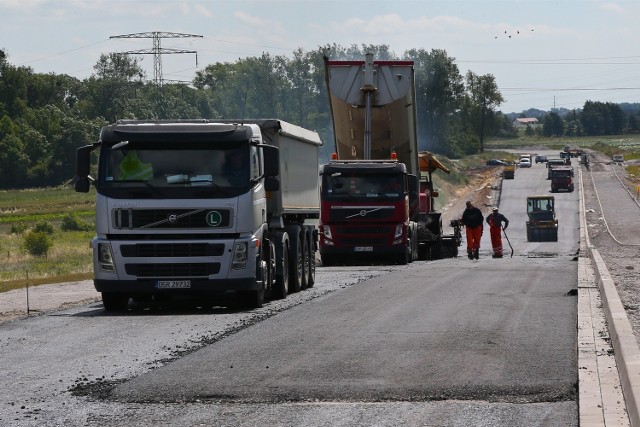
(625, 346)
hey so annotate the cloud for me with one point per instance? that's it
(612, 7)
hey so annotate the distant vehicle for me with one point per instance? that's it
(561, 178)
(496, 162)
(551, 163)
(509, 171)
(542, 225)
(541, 159)
(618, 158)
(524, 163)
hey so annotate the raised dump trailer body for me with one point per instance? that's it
(199, 208)
(374, 122)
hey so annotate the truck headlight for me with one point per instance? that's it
(239, 260)
(326, 232)
(397, 236)
(105, 257)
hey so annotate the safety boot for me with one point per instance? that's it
(470, 253)
(476, 254)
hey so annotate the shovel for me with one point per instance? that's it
(506, 237)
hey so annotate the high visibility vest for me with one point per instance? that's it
(132, 168)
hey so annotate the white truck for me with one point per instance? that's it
(202, 208)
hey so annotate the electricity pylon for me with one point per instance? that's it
(157, 51)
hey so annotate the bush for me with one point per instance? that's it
(72, 222)
(37, 243)
(18, 228)
(43, 227)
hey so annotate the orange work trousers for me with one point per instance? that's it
(474, 234)
(496, 240)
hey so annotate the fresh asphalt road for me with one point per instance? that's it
(488, 330)
(451, 342)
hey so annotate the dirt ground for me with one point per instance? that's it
(620, 248)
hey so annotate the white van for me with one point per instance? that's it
(618, 158)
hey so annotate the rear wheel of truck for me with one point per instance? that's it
(311, 252)
(306, 260)
(296, 266)
(115, 301)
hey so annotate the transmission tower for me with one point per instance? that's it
(157, 51)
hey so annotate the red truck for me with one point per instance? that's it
(375, 202)
(562, 178)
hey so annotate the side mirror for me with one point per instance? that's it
(82, 184)
(83, 166)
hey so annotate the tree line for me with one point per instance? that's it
(45, 117)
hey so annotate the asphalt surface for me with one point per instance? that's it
(451, 342)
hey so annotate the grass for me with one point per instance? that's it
(69, 259)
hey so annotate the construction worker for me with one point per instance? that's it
(473, 220)
(495, 220)
(132, 168)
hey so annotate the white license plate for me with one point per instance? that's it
(363, 248)
(173, 284)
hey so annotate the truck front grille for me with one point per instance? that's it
(171, 250)
(185, 270)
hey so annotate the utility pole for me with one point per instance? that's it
(157, 51)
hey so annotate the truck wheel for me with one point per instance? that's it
(311, 271)
(115, 301)
(281, 289)
(305, 258)
(296, 266)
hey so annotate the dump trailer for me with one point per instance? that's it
(542, 225)
(561, 178)
(374, 123)
(199, 208)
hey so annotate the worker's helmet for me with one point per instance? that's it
(495, 208)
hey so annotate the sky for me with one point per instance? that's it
(543, 53)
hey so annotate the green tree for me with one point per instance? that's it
(552, 125)
(439, 90)
(483, 96)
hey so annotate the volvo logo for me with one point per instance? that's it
(173, 218)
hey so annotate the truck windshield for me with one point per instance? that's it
(161, 171)
(344, 186)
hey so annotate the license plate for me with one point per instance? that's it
(364, 248)
(173, 284)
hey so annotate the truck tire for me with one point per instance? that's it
(281, 286)
(296, 264)
(311, 271)
(306, 260)
(255, 298)
(115, 301)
